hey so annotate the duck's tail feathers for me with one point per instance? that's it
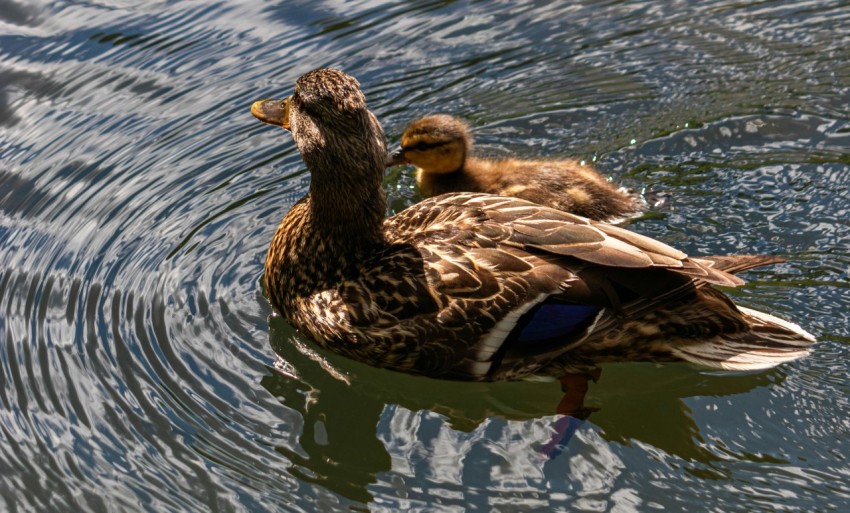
(768, 342)
(736, 263)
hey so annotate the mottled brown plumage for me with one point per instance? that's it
(440, 146)
(461, 286)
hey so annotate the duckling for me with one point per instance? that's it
(440, 147)
(479, 287)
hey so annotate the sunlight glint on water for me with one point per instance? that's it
(142, 369)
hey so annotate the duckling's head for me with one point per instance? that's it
(328, 118)
(437, 143)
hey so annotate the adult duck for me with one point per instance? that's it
(474, 286)
(440, 147)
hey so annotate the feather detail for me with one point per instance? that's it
(643, 242)
(495, 340)
(737, 263)
(553, 321)
(768, 342)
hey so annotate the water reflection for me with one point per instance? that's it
(20, 13)
(14, 82)
(138, 196)
(361, 426)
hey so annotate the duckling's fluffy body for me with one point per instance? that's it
(440, 147)
(481, 287)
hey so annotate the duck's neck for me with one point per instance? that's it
(323, 238)
(346, 201)
(349, 212)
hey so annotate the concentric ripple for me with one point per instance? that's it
(141, 369)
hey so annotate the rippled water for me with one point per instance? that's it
(140, 366)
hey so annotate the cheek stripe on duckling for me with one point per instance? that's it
(423, 146)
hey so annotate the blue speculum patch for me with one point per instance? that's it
(554, 320)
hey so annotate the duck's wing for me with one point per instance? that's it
(556, 232)
(737, 263)
(477, 285)
(482, 219)
(512, 281)
(627, 273)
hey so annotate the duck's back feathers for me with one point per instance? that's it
(531, 226)
(553, 287)
(482, 287)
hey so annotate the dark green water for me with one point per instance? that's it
(140, 366)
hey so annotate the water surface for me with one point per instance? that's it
(141, 369)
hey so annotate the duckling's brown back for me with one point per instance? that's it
(568, 186)
(564, 185)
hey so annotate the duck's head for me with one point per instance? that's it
(437, 143)
(328, 118)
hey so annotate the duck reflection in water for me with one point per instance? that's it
(360, 423)
(337, 446)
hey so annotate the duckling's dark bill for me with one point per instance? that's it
(396, 158)
(271, 111)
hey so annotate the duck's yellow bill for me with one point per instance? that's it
(273, 112)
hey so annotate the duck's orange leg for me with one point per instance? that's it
(574, 387)
(572, 407)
